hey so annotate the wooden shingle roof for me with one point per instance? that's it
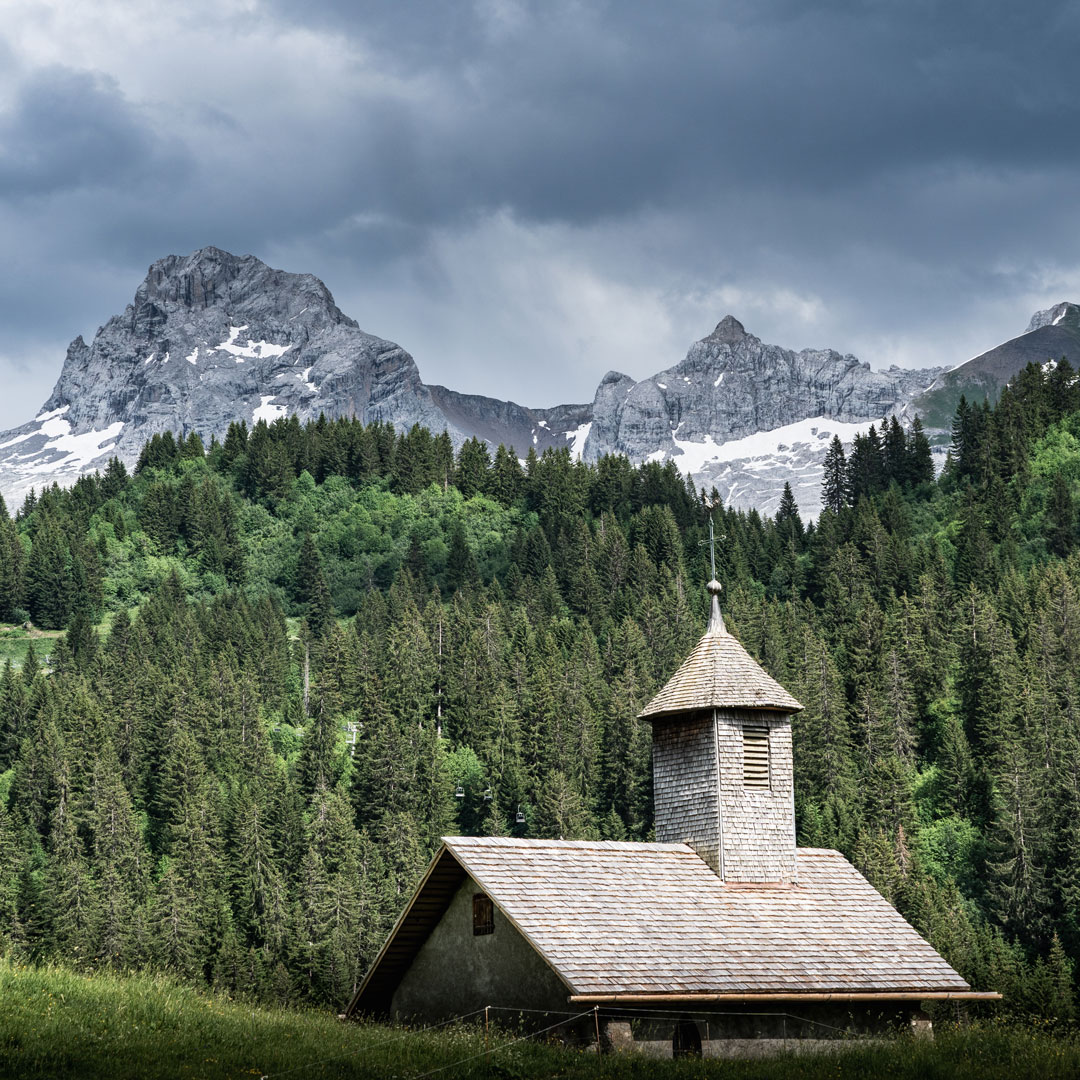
(719, 674)
(625, 918)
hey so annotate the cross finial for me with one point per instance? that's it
(712, 548)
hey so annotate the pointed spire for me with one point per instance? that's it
(716, 620)
(718, 674)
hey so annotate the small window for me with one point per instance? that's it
(756, 758)
(483, 915)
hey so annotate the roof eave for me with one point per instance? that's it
(805, 996)
(757, 706)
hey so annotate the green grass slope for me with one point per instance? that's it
(56, 1024)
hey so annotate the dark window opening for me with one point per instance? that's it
(483, 915)
(756, 758)
(686, 1041)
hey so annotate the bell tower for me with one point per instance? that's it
(722, 769)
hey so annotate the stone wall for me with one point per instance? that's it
(455, 972)
(787, 1028)
(758, 826)
(685, 784)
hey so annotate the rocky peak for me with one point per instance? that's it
(236, 285)
(616, 377)
(729, 331)
(210, 338)
(732, 386)
(1065, 312)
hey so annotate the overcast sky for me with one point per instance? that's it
(525, 195)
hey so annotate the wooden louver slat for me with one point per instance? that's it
(756, 758)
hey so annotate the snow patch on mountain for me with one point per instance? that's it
(813, 433)
(577, 439)
(266, 411)
(253, 350)
(751, 471)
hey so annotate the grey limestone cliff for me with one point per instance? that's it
(731, 385)
(208, 339)
(506, 422)
(211, 338)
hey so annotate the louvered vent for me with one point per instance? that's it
(756, 758)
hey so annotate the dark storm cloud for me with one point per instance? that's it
(577, 111)
(69, 130)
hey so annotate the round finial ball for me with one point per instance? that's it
(714, 587)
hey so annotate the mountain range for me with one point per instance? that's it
(212, 337)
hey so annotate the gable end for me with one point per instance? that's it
(413, 928)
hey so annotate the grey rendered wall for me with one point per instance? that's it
(684, 784)
(455, 973)
(758, 826)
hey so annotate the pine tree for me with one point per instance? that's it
(834, 489)
(12, 561)
(895, 453)
(787, 516)
(920, 463)
(461, 567)
(1061, 517)
(255, 881)
(470, 476)
(48, 575)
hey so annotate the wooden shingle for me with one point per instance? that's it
(652, 918)
(719, 674)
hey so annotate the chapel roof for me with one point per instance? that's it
(616, 919)
(719, 674)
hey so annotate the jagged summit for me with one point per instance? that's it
(1065, 312)
(210, 338)
(728, 330)
(211, 277)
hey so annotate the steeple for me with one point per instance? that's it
(722, 771)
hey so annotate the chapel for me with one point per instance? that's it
(722, 938)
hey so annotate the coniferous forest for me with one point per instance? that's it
(296, 658)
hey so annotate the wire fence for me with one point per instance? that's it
(567, 1018)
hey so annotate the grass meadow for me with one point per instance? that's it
(57, 1024)
(14, 641)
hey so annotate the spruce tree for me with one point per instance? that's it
(12, 561)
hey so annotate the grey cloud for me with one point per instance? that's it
(598, 109)
(69, 130)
